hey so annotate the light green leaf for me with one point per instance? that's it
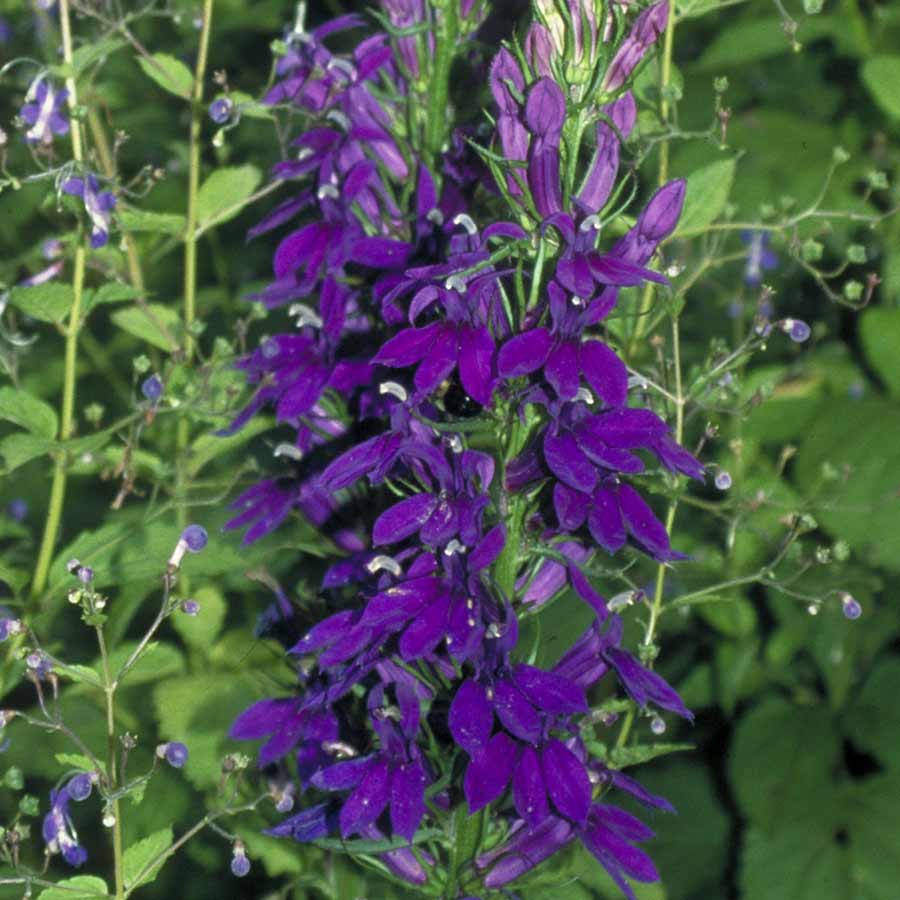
(75, 761)
(149, 327)
(141, 854)
(249, 107)
(18, 449)
(81, 887)
(29, 412)
(879, 328)
(157, 662)
(781, 757)
(92, 52)
(143, 220)
(708, 189)
(881, 75)
(49, 302)
(223, 194)
(622, 757)
(169, 73)
(77, 672)
(201, 630)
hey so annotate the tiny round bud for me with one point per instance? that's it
(152, 388)
(796, 329)
(195, 537)
(190, 607)
(240, 865)
(657, 725)
(72, 566)
(174, 752)
(85, 574)
(108, 819)
(723, 480)
(80, 786)
(851, 606)
(220, 110)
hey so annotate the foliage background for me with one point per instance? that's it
(791, 792)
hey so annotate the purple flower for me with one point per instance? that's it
(195, 537)
(58, 831)
(152, 388)
(97, 203)
(648, 26)
(80, 786)
(759, 256)
(221, 110)
(174, 752)
(240, 865)
(42, 112)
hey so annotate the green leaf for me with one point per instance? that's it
(77, 672)
(112, 292)
(157, 661)
(622, 757)
(708, 189)
(18, 449)
(29, 412)
(201, 630)
(210, 446)
(873, 721)
(136, 321)
(222, 195)
(94, 51)
(15, 578)
(81, 887)
(139, 855)
(49, 302)
(881, 75)
(75, 761)
(879, 328)
(169, 73)
(732, 616)
(559, 624)
(782, 756)
(143, 220)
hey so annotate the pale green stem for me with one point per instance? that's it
(438, 115)
(67, 411)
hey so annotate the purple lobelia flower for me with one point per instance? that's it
(98, 204)
(42, 112)
(648, 26)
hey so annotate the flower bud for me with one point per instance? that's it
(152, 388)
(852, 608)
(240, 865)
(174, 753)
(723, 480)
(220, 111)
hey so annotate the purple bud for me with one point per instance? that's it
(195, 537)
(723, 480)
(648, 26)
(85, 574)
(190, 607)
(8, 627)
(174, 752)
(851, 606)
(220, 110)
(240, 865)
(796, 329)
(80, 786)
(152, 388)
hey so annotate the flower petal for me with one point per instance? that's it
(529, 792)
(524, 353)
(471, 717)
(489, 772)
(368, 801)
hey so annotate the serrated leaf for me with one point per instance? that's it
(222, 195)
(45, 302)
(707, 194)
(81, 887)
(136, 321)
(169, 73)
(29, 412)
(201, 630)
(113, 292)
(781, 757)
(133, 219)
(881, 75)
(139, 855)
(75, 761)
(80, 673)
(879, 328)
(157, 661)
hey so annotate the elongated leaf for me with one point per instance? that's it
(81, 887)
(169, 73)
(135, 320)
(29, 412)
(144, 220)
(707, 193)
(18, 449)
(138, 856)
(46, 302)
(222, 194)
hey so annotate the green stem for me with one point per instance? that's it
(111, 767)
(58, 487)
(646, 303)
(438, 116)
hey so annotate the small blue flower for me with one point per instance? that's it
(190, 607)
(240, 865)
(174, 752)
(220, 110)
(43, 112)
(8, 627)
(80, 786)
(851, 607)
(759, 256)
(85, 574)
(98, 205)
(152, 388)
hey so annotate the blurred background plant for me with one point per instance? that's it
(785, 124)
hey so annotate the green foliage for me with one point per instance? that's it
(81, 887)
(169, 73)
(141, 863)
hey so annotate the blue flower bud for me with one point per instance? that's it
(220, 110)
(80, 786)
(190, 607)
(851, 606)
(85, 574)
(8, 627)
(152, 388)
(240, 865)
(796, 329)
(174, 752)
(195, 537)
(723, 480)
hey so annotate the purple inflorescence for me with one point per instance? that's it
(402, 309)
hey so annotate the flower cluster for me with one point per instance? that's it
(464, 369)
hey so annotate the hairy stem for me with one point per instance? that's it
(67, 411)
(440, 83)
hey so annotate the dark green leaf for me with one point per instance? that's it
(29, 412)
(150, 323)
(707, 194)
